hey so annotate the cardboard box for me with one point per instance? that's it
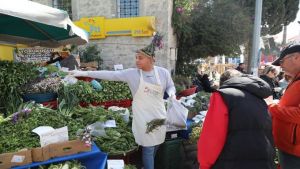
(8, 160)
(59, 150)
(40, 154)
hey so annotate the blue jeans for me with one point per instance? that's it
(288, 161)
(149, 156)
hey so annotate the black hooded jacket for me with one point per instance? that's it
(249, 143)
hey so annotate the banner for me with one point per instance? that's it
(32, 54)
(99, 27)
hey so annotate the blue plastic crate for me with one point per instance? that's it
(39, 97)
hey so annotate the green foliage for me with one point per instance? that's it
(16, 133)
(74, 164)
(129, 166)
(211, 28)
(202, 102)
(19, 135)
(275, 13)
(182, 82)
(84, 92)
(12, 76)
(219, 27)
(91, 53)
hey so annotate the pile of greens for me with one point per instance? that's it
(83, 92)
(15, 133)
(115, 91)
(202, 102)
(16, 130)
(117, 140)
(12, 76)
(74, 164)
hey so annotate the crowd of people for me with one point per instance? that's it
(241, 130)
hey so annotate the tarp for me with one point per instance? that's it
(34, 24)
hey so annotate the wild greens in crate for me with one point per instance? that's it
(16, 130)
(115, 91)
(116, 140)
(12, 76)
(15, 133)
(80, 91)
(201, 102)
(84, 92)
(51, 71)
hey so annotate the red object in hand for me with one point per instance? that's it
(187, 92)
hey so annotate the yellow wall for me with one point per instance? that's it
(6, 52)
(99, 27)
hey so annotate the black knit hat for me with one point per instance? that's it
(155, 43)
(287, 50)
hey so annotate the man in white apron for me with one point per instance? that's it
(147, 84)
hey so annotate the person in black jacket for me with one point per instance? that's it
(64, 58)
(241, 68)
(269, 76)
(206, 84)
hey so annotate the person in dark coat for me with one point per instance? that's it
(65, 59)
(237, 131)
(269, 75)
(206, 84)
(241, 68)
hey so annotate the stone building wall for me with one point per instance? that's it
(121, 49)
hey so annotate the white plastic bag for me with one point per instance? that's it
(70, 80)
(97, 129)
(176, 115)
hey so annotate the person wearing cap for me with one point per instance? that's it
(147, 84)
(269, 75)
(286, 113)
(64, 58)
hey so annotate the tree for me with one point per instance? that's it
(219, 27)
(91, 53)
(211, 28)
(275, 14)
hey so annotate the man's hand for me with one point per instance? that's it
(78, 73)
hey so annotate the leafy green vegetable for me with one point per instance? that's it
(202, 101)
(74, 164)
(129, 166)
(12, 76)
(154, 124)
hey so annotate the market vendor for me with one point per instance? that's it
(64, 58)
(147, 84)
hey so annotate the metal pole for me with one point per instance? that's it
(256, 38)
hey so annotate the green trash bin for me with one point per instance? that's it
(170, 155)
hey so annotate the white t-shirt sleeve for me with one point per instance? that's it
(121, 75)
(170, 88)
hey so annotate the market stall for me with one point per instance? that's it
(43, 26)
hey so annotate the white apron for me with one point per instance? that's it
(147, 105)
